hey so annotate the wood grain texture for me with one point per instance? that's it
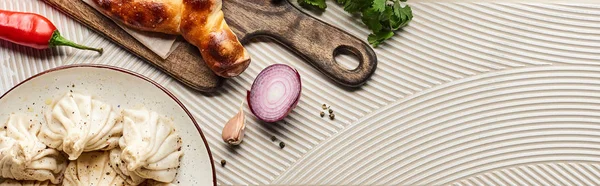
(184, 64)
(315, 41)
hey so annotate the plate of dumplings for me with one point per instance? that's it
(83, 125)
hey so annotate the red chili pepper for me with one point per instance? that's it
(33, 30)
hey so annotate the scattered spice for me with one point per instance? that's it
(223, 162)
(273, 138)
(331, 114)
(281, 145)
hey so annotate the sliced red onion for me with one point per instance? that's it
(275, 92)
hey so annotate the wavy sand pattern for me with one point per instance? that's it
(468, 94)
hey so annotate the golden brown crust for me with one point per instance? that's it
(204, 26)
(201, 23)
(148, 15)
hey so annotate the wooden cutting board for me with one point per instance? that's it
(315, 41)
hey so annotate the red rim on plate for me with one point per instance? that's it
(141, 77)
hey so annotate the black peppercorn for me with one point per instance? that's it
(281, 145)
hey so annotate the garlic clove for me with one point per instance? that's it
(233, 132)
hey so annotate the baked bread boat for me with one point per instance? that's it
(200, 22)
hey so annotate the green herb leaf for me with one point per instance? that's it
(379, 5)
(354, 6)
(386, 17)
(320, 4)
(378, 38)
(402, 15)
(382, 17)
(370, 17)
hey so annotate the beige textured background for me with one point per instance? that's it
(468, 94)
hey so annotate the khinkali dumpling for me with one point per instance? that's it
(121, 169)
(77, 123)
(8, 182)
(23, 156)
(151, 148)
(92, 168)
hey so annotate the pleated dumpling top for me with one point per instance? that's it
(23, 156)
(92, 168)
(149, 149)
(77, 123)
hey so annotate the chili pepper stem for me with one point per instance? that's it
(58, 40)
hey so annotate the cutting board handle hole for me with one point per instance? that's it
(347, 57)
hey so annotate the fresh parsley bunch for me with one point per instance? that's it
(383, 17)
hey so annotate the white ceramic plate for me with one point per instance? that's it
(121, 88)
